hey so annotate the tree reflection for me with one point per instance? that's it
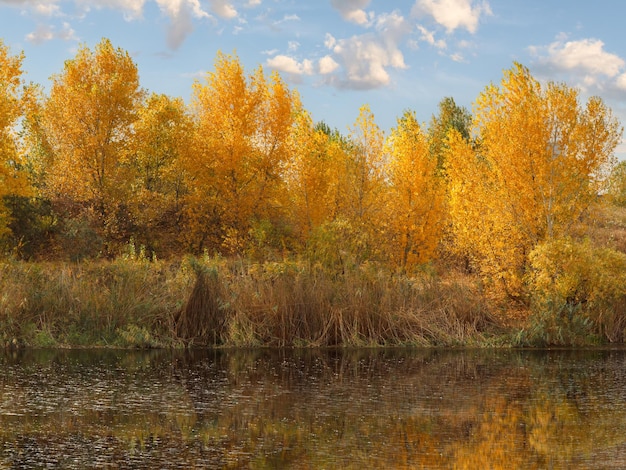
(313, 409)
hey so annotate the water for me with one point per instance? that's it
(313, 409)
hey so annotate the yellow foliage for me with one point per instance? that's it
(539, 161)
(240, 149)
(12, 179)
(161, 140)
(414, 209)
(568, 271)
(87, 119)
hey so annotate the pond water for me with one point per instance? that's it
(313, 409)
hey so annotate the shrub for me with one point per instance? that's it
(576, 287)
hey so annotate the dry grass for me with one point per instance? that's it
(215, 301)
(608, 227)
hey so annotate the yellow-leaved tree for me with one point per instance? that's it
(415, 203)
(162, 138)
(315, 175)
(539, 161)
(87, 121)
(13, 181)
(240, 149)
(359, 191)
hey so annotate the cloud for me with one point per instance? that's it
(40, 7)
(352, 10)
(429, 37)
(365, 59)
(584, 60)
(133, 9)
(453, 14)
(222, 8)
(181, 14)
(291, 66)
(45, 33)
(327, 65)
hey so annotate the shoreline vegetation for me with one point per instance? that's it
(217, 302)
(135, 219)
(135, 301)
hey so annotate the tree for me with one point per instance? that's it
(540, 161)
(366, 167)
(315, 175)
(13, 181)
(451, 116)
(414, 210)
(88, 124)
(241, 147)
(162, 137)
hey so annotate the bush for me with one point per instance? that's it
(576, 287)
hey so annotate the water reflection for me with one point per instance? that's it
(313, 409)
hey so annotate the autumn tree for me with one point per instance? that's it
(540, 162)
(87, 121)
(13, 181)
(415, 202)
(240, 150)
(162, 137)
(315, 175)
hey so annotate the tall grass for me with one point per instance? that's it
(200, 302)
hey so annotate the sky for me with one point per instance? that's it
(340, 54)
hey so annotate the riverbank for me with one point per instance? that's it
(206, 302)
(135, 302)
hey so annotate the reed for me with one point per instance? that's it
(200, 302)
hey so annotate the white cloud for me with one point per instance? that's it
(453, 14)
(365, 60)
(457, 57)
(586, 55)
(621, 82)
(41, 7)
(45, 33)
(132, 9)
(292, 46)
(429, 37)
(291, 66)
(222, 8)
(352, 10)
(181, 14)
(583, 63)
(329, 41)
(327, 65)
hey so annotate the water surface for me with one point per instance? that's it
(313, 409)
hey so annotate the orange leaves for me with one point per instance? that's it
(241, 146)
(12, 179)
(88, 115)
(415, 202)
(531, 176)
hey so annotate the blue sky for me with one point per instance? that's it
(339, 54)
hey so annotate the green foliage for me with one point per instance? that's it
(32, 226)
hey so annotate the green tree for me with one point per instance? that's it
(450, 116)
